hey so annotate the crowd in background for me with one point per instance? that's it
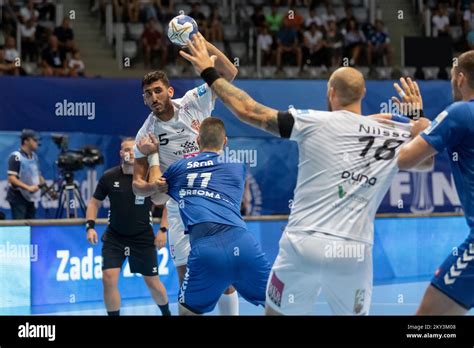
(296, 33)
(52, 47)
(453, 19)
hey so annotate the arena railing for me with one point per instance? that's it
(70, 222)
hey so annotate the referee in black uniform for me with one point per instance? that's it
(129, 233)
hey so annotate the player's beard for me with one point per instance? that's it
(164, 110)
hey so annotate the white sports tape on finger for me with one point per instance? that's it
(402, 94)
(154, 159)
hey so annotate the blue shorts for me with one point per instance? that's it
(222, 255)
(455, 277)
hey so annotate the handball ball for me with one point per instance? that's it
(181, 29)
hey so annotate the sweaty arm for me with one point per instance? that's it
(447, 130)
(155, 175)
(223, 65)
(141, 187)
(92, 208)
(245, 108)
(418, 126)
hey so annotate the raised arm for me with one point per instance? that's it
(223, 65)
(240, 103)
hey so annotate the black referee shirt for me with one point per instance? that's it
(129, 215)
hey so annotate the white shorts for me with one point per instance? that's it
(311, 262)
(178, 241)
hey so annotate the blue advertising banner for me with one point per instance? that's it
(115, 106)
(110, 108)
(57, 266)
(16, 256)
(68, 268)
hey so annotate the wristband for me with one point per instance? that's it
(154, 159)
(209, 75)
(417, 114)
(163, 229)
(90, 224)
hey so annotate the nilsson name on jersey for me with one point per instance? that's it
(366, 129)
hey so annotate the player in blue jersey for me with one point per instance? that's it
(451, 291)
(209, 193)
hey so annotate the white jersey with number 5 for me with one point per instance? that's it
(346, 165)
(178, 140)
(178, 136)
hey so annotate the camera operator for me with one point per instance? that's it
(24, 177)
(129, 233)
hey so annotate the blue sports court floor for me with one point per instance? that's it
(389, 299)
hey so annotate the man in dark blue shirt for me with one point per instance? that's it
(452, 289)
(24, 177)
(209, 192)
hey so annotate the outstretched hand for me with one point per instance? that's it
(411, 101)
(198, 56)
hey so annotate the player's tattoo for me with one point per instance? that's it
(245, 108)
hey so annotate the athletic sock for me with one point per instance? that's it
(165, 309)
(114, 313)
(229, 304)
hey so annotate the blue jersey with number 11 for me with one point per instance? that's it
(207, 189)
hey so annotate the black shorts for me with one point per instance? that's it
(140, 250)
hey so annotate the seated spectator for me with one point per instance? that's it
(216, 30)
(167, 11)
(440, 21)
(200, 19)
(10, 12)
(7, 68)
(46, 9)
(348, 16)
(294, 20)
(335, 43)
(76, 65)
(468, 18)
(196, 12)
(353, 42)
(265, 44)
(150, 11)
(120, 11)
(28, 12)
(314, 47)
(133, 11)
(470, 39)
(274, 20)
(330, 15)
(313, 18)
(53, 60)
(258, 18)
(378, 47)
(152, 41)
(28, 40)
(11, 55)
(287, 42)
(65, 36)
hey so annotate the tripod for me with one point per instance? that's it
(69, 193)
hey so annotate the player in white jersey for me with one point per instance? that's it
(175, 124)
(346, 164)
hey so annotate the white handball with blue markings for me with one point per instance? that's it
(181, 29)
